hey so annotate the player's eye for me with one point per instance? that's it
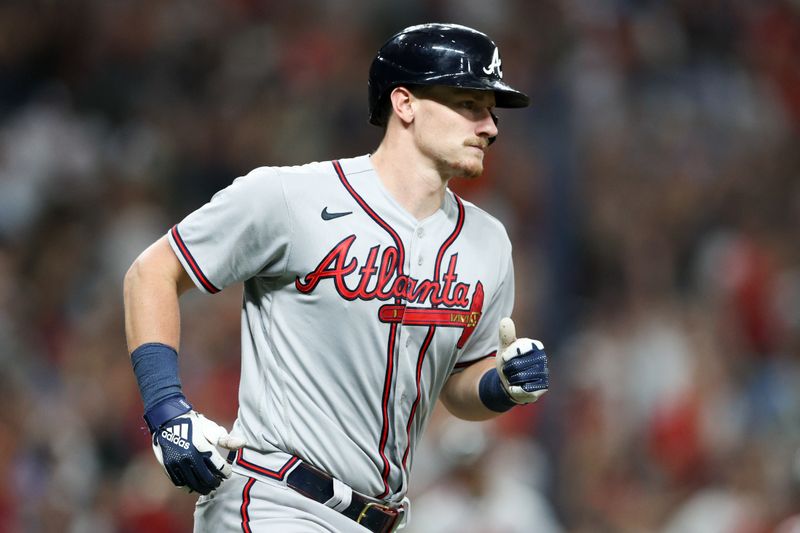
(467, 104)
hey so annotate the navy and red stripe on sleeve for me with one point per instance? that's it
(189, 259)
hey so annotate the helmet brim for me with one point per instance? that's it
(505, 95)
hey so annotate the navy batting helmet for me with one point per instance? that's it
(438, 54)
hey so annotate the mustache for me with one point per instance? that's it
(477, 142)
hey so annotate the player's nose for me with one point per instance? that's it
(487, 125)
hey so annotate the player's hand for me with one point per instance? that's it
(186, 446)
(521, 365)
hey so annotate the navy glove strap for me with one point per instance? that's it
(493, 394)
(165, 411)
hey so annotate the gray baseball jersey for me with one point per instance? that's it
(354, 313)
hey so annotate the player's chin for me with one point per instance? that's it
(469, 168)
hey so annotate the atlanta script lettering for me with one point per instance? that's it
(381, 279)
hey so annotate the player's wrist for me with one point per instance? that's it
(493, 393)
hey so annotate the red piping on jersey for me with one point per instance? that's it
(372, 214)
(453, 236)
(422, 353)
(387, 381)
(245, 504)
(192, 263)
(387, 386)
(274, 474)
(426, 344)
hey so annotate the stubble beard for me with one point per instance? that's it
(466, 169)
(461, 167)
(456, 164)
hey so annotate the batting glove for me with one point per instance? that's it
(521, 365)
(185, 444)
(520, 375)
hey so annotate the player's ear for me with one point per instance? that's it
(402, 99)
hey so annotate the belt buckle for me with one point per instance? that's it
(395, 514)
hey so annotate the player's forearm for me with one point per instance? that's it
(460, 394)
(152, 289)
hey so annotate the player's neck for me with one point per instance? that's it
(417, 187)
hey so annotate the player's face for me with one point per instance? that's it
(453, 128)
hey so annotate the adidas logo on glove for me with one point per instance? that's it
(186, 446)
(178, 435)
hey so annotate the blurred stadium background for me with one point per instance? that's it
(651, 193)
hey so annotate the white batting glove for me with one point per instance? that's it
(521, 365)
(186, 447)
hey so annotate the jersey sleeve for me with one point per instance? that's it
(485, 339)
(244, 231)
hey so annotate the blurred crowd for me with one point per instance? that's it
(652, 194)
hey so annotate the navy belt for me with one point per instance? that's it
(317, 485)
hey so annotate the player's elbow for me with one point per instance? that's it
(157, 267)
(132, 280)
(142, 272)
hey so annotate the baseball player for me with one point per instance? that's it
(370, 291)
